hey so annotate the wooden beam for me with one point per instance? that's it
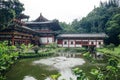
(13, 41)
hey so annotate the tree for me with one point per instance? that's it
(100, 20)
(113, 29)
(67, 28)
(6, 17)
(9, 9)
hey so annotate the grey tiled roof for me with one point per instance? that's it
(82, 35)
(53, 24)
(46, 22)
(41, 19)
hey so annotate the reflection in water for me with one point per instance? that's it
(67, 55)
(29, 78)
(63, 65)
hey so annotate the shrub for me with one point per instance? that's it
(36, 49)
(111, 46)
(52, 45)
(8, 55)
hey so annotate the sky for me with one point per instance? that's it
(63, 10)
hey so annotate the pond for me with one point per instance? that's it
(42, 68)
(24, 69)
(63, 65)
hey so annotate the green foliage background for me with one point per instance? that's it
(102, 19)
(9, 10)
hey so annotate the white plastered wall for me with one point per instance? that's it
(73, 43)
(65, 45)
(99, 45)
(45, 40)
(90, 42)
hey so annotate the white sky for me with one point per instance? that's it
(63, 10)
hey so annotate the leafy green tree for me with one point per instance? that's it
(6, 17)
(67, 28)
(111, 46)
(9, 9)
(113, 29)
(100, 20)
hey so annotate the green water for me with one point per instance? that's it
(25, 67)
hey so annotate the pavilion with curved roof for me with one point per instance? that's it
(46, 29)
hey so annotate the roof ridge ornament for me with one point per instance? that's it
(40, 14)
(41, 19)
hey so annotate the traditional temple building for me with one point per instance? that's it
(80, 40)
(42, 31)
(47, 29)
(17, 33)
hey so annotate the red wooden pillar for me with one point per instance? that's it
(47, 39)
(81, 43)
(53, 38)
(75, 43)
(26, 42)
(13, 41)
(68, 43)
(62, 43)
(88, 42)
(96, 43)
